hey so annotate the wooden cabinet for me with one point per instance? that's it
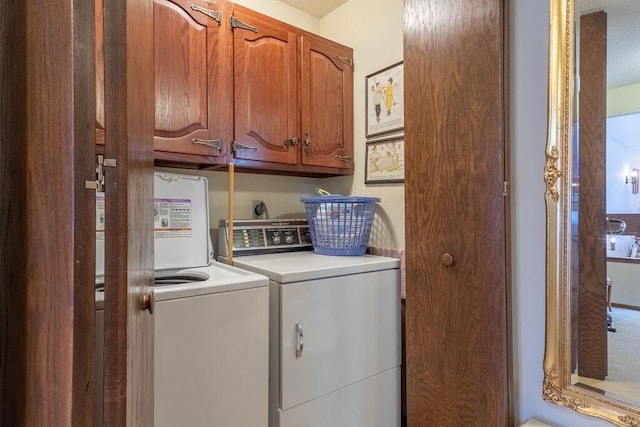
(193, 95)
(265, 65)
(327, 104)
(233, 85)
(293, 98)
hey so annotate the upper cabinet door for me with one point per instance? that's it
(265, 89)
(327, 103)
(193, 99)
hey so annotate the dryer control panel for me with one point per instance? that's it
(251, 237)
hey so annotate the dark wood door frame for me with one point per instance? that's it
(129, 128)
(47, 216)
(47, 115)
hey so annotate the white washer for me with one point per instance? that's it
(334, 326)
(210, 321)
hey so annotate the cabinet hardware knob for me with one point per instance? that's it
(447, 260)
(149, 302)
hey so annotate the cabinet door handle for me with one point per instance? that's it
(307, 143)
(213, 14)
(215, 143)
(291, 141)
(236, 146)
(299, 340)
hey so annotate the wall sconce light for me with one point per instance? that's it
(611, 244)
(633, 180)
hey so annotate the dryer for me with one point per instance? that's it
(334, 327)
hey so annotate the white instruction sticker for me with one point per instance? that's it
(172, 218)
(100, 216)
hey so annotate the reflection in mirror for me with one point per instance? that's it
(607, 150)
(593, 228)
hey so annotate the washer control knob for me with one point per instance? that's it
(447, 260)
(276, 240)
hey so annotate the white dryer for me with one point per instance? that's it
(334, 324)
(210, 320)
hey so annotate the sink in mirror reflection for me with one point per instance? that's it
(621, 246)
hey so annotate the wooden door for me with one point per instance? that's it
(266, 100)
(592, 251)
(129, 119)
(99, 58)
(47, 217)
(193, 91)
(327, 103)
(458, 302)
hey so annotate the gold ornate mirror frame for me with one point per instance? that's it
(557, 386)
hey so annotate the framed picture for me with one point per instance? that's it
(385, 101)
(384, 161)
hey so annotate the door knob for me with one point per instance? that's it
(447, 260)
(149, 302)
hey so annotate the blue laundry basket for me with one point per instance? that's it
(340, 225)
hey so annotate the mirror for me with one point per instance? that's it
(591, 190)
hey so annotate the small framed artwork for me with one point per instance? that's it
(384, 161)
(385, 100)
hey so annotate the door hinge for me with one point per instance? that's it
(235, 23)
(213, 14)
(214, 143)
(346, 159)
(101, 163)
(344, 59)
(236, 146)
(505, 188)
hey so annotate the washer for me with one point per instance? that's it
(334, 327)
(210, 320)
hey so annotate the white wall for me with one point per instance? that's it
(623, 147)
(621, 159)
(373, 28)
(623, 100)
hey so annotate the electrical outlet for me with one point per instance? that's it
(258, 209)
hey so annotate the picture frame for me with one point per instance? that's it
(384, 101)
(384, 161)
